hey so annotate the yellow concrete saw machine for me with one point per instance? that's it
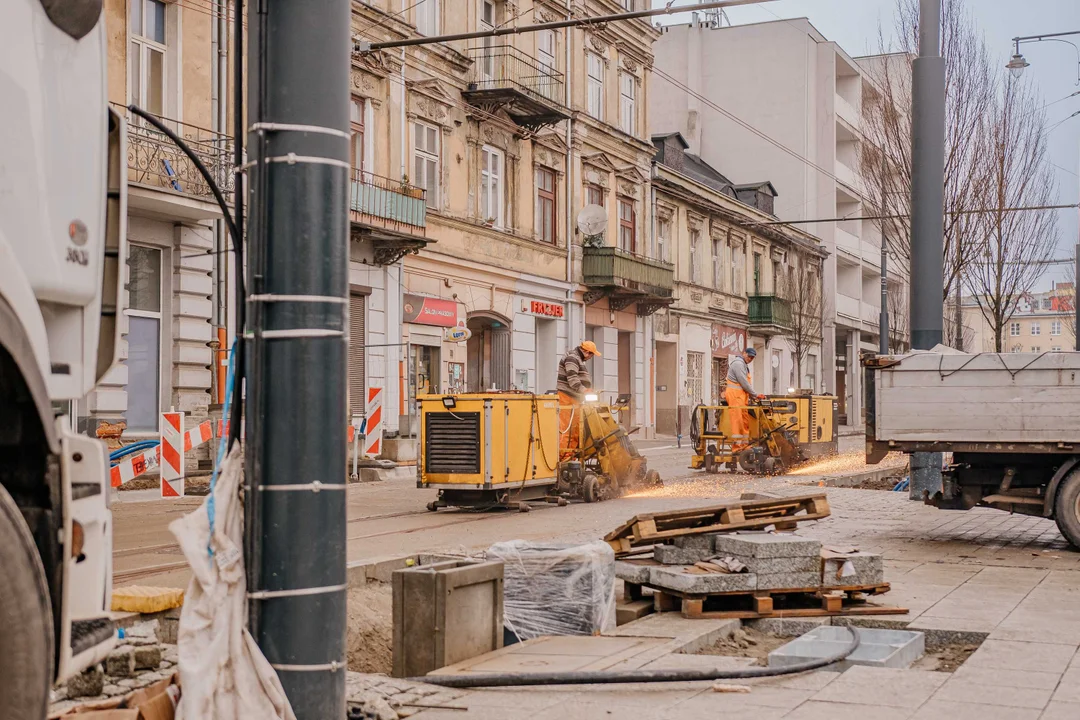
(501, 449)
(784, 430)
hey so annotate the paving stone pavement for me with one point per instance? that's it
(1009, 580)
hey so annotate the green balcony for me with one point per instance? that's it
(769, 314)
(626, 278)
(390, 214)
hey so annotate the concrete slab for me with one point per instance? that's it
(1013, 678)
(788, 627)
(963, 691)
(766, 545)
(1061, 711)
(883, 687)
(673, 578)
(555, 654)
(819, 710)
(695, 542)
(772, 566)
(1012, 655)
(877, 648)
(949, 710)
(1068, 691)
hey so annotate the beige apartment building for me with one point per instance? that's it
(739, 282)
(1042, 322)
(163, 57)
(471, 162)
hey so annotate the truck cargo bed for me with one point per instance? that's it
(946, 398)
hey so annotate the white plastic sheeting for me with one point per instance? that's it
(223, 673)
(555, 589)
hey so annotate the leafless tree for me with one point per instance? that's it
(885, 157)
(1016, 244)
(897, 305)
(804, 292)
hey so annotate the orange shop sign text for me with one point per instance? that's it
(547, 309)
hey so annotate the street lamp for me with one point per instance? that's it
(1016, 66)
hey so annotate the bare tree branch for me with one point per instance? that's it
(803, 291)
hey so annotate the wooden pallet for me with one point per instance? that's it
(759, 604)
(653, 528)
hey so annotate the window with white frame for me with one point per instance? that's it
(1055, 327)
(545, 204)
(144, 339)
(627, 226)
(427, 17)
(545, 55)
(146, 61)
(663, 239)
(717, 262)
(1036, 348)
(695, 264)
(426, 161)
(356, 139)
(595, 86)
(1035, 329)
(1056, 348)
(491, 186)
(1014, 329)
(695, 363)
(627, 104)
(725, 272)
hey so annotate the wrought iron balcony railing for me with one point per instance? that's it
(388, 204)
(769, 310)
(155, 161)
(503, 67)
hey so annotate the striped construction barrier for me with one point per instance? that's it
(131, 467)
(172, 454)
(373, 422)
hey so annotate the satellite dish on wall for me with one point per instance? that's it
(592, 220)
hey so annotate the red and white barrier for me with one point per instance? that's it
(131, 467)
(373, 422)
(172, 454)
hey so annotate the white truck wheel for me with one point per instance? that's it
(26, 627)
(1067, 508)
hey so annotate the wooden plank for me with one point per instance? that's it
(665, 602)
(644, 528)
(692, 607)
(831, 602)
(734, 515)
(802, 613)
(763, 604)
(631, 592)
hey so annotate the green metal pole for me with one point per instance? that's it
(298, 321)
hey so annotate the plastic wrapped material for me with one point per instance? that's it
(555, 589)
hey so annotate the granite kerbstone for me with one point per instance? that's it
(869, 570)
(695, 542)
(791, 580)
(632, 572)
(672, 555)
(673, 578)
(766, 546)
(773, 566)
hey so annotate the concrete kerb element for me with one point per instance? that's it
(382, 569)
(877, 648)
(856, 479)
(766, 545)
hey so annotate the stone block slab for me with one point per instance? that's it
(120, 663)
(865, 569)
(766, 545)
(632, 572)
(793, 580)
(695, 542)
(672, 555)
(148, 657)
(772, 566)
(705, 584)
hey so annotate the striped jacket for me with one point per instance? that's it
(574, 377)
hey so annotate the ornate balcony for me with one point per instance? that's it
(769, 314)
(155, 162)
(504, 78)
(389, 213)
(625, 278)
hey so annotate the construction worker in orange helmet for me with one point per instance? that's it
(738, 393)
(574, 383)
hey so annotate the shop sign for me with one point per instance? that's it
(536, 307)
(430, 311)
(457, 334)
(727, 340)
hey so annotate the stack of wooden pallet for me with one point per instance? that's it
(718, 562)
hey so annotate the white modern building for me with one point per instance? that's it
(779, 100)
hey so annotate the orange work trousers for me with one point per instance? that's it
(738, 400)
(569, 425)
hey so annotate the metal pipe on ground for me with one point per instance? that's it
(297, 334)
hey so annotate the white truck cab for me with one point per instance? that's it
(62, 215)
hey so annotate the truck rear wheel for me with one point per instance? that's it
(1067, 508)
(26, 627)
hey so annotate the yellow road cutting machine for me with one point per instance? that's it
(501, 449)
(784, 430)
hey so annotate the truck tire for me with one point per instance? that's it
(1067, 508)
(26, 626)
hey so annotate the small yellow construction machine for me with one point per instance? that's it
(501, 449)
(784, 430)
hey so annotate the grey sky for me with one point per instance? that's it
(854, 24)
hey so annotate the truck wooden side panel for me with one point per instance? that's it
(930, 397)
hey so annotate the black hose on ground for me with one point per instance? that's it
(607, 677)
